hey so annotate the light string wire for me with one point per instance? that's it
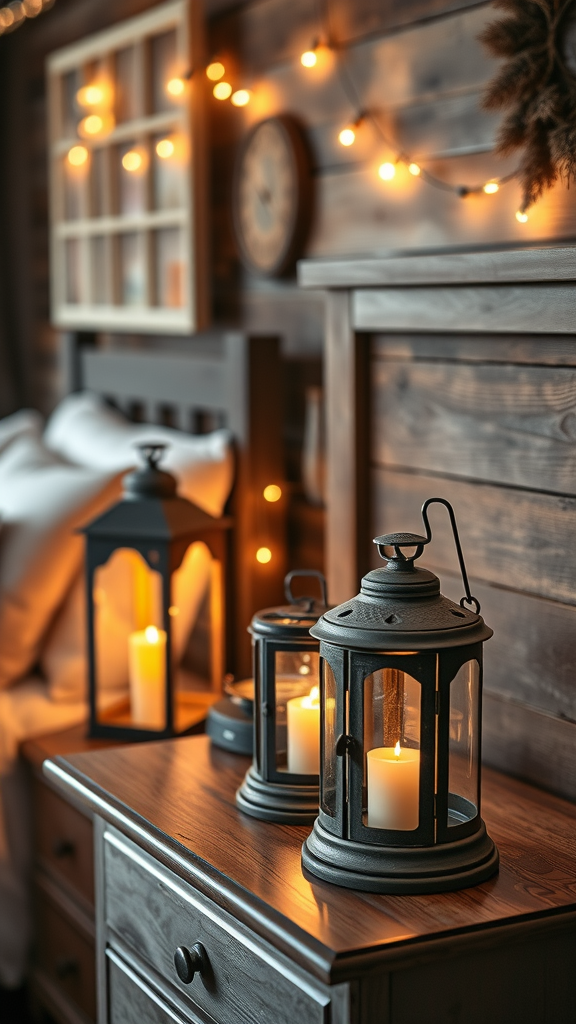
(353, 97)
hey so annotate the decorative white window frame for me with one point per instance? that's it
(100, 302)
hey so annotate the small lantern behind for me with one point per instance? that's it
(137, 551)
(282, 783)
(401, 676)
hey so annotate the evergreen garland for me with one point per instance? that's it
(538, 90)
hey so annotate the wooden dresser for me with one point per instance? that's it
(188, 888)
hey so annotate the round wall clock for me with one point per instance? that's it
(272, 200)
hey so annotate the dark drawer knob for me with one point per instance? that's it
(189, 961)
(63, 848)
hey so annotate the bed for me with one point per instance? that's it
(206, 383)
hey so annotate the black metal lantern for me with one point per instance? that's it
(282, 783)
(401, 678)
(134, 552)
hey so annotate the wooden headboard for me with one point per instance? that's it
(199, 384)
(455, 375)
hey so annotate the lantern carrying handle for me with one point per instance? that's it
(152, 451)
(468, 599)
(301, 600)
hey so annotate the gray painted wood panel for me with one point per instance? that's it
(514, 425)
(542, 350)
(517, 539)
(533, 309)
(154, 913)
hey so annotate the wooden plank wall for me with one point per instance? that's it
(490, 424)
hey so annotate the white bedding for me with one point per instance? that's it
(25, 711)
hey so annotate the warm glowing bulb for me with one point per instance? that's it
(6, 17)
(397, 750)
(521, 216)
(240, 98)
(215, 71)
(490, 187)
(272, 492)
(175, 87)
(414, 169)
(32, 8)
(90, 96)
(91, 125)
(309, 59)
(347, 137)
(263, 555)
(165, 148)
(132, 160)
(387, 171)
(77, 156)
(151, 634)
(222, 91)
(173, 611)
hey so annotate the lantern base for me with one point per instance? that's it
(292, 805)
(400, 870)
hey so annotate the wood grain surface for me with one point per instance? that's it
(177, 800)
(501, 424)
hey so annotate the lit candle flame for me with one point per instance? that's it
(151, 634)
(314, 697)
(397, 749)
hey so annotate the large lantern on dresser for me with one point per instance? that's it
(282, 783)
(401, 678)
(139, 570)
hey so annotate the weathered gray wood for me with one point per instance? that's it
(518, 539)
(530, 745)
(542, 350)
(341, 419)
(530, 658)
(133, 1001)
(531, 308)
(154, 913)
(100, 916)
(514, 425)
(505, 266)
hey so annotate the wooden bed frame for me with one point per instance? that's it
(198, 384)
(455, 375)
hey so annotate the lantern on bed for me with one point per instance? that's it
(136, 555)
(401, 676)
(282, 783)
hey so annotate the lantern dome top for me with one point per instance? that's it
(400, 607)
(291, 621)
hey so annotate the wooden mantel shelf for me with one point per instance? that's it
(503, 266)
(176, 801)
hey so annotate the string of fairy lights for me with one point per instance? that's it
(15, 14)
(347, 134)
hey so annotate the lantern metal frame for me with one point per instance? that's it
(267, 792)
(399, 621)
(154, 521)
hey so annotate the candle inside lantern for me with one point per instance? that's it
(303, 721)
(147, 675)
(393, 787)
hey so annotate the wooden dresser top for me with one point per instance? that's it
(176, 799)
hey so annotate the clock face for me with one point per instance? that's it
(272, 196)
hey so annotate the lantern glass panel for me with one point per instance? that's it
(392, 701)
(328, 776)
(130, 637)
(463, 745)
(297, 712)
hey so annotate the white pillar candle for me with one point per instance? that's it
(303, 721)
(393, 787)
(147, 675)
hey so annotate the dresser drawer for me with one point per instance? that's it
(64, 841)
(132, 1001)
(65, 955)
(153, 913)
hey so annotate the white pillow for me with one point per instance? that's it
(43, 501)
(64, 659)
(85, 430)
(27, 421)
